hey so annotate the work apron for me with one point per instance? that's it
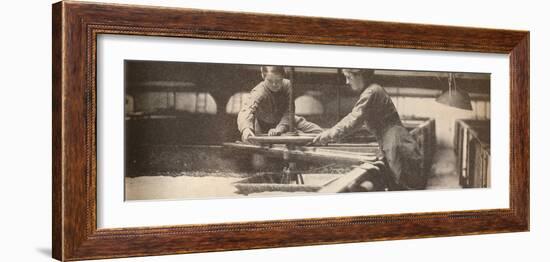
(403, 157)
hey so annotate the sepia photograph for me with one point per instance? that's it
(213, 130)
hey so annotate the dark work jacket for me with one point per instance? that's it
(266, 107)
(375, 110)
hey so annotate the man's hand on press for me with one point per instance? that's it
(324, 137)
(247, 133)
(275, 132)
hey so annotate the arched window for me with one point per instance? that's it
(235, 102)
(193, 102)
(307, 105)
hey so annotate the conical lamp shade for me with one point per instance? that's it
(455, 98)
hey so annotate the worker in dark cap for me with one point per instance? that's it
(267, 109)
(375, 110)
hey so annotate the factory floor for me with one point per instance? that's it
(443, 176)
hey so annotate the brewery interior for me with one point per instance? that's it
(182, 141)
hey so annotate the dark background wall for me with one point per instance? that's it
(177, 103)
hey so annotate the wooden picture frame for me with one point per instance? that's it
(76, 26)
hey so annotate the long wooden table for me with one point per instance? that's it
(353, 154)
